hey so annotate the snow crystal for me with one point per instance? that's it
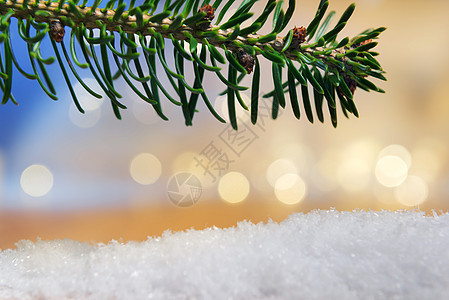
(319, 255)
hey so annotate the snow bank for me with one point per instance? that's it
(319, 255)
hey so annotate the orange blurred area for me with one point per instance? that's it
(125, 224)
(138, 223)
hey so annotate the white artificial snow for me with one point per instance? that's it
(319, 255)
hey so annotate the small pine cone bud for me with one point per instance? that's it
(246, 60)
(57, 31)
(205, 22)
(299, 36)
(209, 10)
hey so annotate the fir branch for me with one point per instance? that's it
(328, 66)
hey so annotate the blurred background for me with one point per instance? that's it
(94, 178)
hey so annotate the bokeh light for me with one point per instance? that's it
(36, 180)
(233, 187)
(145, 168)
(391, 170)
(290, 189)
(279, 168)
(399, 151)
(412, 192)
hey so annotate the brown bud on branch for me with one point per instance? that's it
(246, 60)
(299, 36)
(209, 10)
(57, 31)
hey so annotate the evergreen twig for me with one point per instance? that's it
(311, 55)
